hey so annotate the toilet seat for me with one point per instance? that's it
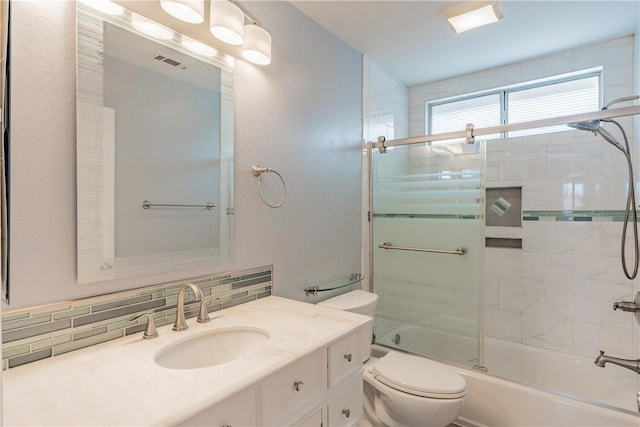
(419, 376)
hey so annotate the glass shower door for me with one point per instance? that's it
(429, 198)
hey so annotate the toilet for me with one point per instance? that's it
(401, 389)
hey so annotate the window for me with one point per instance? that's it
(484, 111)
(568, 94)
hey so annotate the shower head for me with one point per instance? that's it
(594, 126)
(589, 125)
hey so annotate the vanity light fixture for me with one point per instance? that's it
(191, 11)
(472, 14)
(226, 22)
(150, 28)
(197, 47)
(105, 6)
(257, 45)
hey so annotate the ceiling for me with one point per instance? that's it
(414, 43)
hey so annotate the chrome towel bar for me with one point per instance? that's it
(388, 245)
(148, 205)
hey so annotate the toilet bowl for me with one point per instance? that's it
(402, 389)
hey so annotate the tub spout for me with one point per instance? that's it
(633, 365)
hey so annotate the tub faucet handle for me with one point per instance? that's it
(632, 306)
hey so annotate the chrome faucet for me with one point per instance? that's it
(181, 323)
(634, 365)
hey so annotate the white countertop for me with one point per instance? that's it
(118, 383)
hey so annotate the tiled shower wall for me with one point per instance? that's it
(557, 291)
(37, 333)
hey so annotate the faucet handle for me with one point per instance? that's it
(203, 314)
(150, 331)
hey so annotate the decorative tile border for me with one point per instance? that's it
(38, 333)
(425, 216)
(599, 216)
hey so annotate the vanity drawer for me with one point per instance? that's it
(345, 358)
(346, 409)
(238, 410)
(314, 420)
(289, 393)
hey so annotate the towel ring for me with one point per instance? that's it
(257, 172)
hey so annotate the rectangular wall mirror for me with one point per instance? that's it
(154, 151)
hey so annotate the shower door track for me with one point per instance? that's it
(533, 124)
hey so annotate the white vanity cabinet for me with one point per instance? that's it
(237, 410)
(320, 389)
(293, 390)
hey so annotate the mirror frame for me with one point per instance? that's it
(95, 253)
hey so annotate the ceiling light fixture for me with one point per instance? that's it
(257, 45)
(226, 22)
(472, 14)
(191, 11)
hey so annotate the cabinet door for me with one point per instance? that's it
(238, 410)
(345, 359)
(345, 410)
(294, 390)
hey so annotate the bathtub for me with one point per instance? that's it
(569, 390)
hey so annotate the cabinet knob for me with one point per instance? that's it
(346, 412)
(298, 385)
(348, 357)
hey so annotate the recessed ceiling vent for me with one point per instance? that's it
(170, 61)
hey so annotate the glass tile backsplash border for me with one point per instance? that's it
(37, 333)
(568, 215)
(571, 215)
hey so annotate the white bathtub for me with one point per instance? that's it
(494, 401)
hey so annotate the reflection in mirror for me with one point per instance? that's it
(154, 151)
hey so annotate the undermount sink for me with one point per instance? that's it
(211, 348)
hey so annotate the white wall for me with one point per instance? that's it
(301, 115)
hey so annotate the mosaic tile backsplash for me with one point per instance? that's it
(33, 334)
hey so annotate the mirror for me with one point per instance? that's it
(154, 151)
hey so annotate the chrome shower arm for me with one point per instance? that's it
(622, 99)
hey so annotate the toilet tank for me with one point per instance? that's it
(360, 302)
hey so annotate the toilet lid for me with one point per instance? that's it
(419, 376)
